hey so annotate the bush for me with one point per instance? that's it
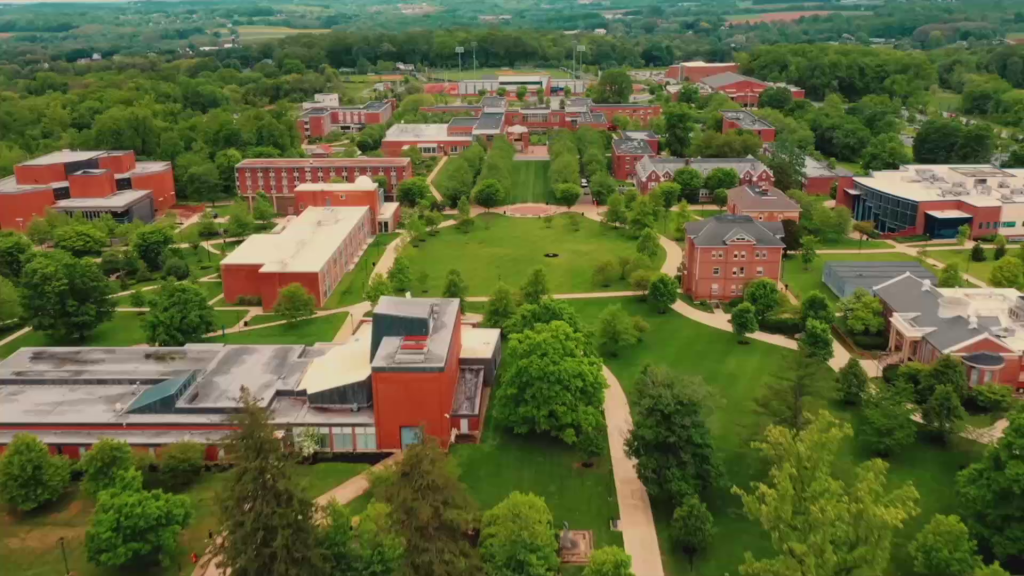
(987, 238)
(870, 342)
(784, 325)
(181, 463)
(176, 268)
(891, 374)
(103, 463)
(735, 302)
(991, 397)
(29, 475)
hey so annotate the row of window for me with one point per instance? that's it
(740, 255)
(346, 438)
(737, 271)
(734, 289)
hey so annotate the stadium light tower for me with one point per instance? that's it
(581, 49)
(473, 44)
(459, 50)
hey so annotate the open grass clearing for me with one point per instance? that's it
(500, 248)
(261, 319)
(802, 282)
(847, 243)
(302, 332)
(530, 182)
(737, 374)
(28, 545)
(350, 290)
(263, 33)
(979, 270)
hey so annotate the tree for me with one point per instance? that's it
(103, 464)
(852, 382)
(518, 538)
(521, 92)
(614, 87)
(950, 276)
(814, 518)
(567, 194)
(692, 527)
(431, 512)
(744, 321)
(457, 181)
(888, 426)
(609, 561)
(606, 272)
(39, 231)
(763, 294)
(180, 314)
(150, 245)
(662, 292)
(978, 253)
(10, 306)
(720, 198)
(294, 303)
(400, 274)
(690, 182)
(488, 194)
(64, 296)
(377, 287)
(135, 527)
(500, 307)
(412, 191)
(816, 306)
(817, 340)
(1000, 247)
(263, 209)
(181, 463)
(534, 287)
(722, 179)
(546, 311)
(808, 251)
(679, 120)
(989, 492)
(943, 413)
(885, 152)
(861, 312)
(776, 97)
(602, 187)
(464, 212)
(641, 215)
(963, 234)
(945, 548)
(649, 244)
(785, 397)
(552, 384)
(670, 439)
(1007, 273)
(79, 240)
(616, 329)
(454, 285)
(370, 547)
(266, 524)
(946, 371)
(14, 250)
(616, 212)
(29, 475)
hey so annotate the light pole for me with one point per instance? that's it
(581, 49)
(575, 47)
(67, 571)
(459, 50)
(473, 44)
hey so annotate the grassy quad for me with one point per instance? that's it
(28, 545)
(802, 282)
(506, 249)
(530, 183)
(737, 374)
(301, 332)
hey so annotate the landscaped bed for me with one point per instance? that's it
(28, 545)
(737, 374)
(305, 332)
(802, 282)
(507, 249)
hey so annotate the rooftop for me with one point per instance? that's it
(699, 63)
(662, 164)
(305, 245)
(414, 352)
(10, 186)
(746, 120)
(976, 185)
(846, 276)
(321, 162)
(362, 184)
(724, 229)
(489, 123)
(433, 132)
(726, 78)
(117, 201)
(754, 199)
(639, 135)
(64, 156)
(814, 168)
(633, 147)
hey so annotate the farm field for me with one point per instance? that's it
(530, 182)
(257, 33)
(785, 16)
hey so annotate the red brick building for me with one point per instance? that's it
(362, 192)
(762, 203)
(725, 253)
(75, 176)
(697, 70)
(316, 250)
(653, 170)
(577, 112)
(819, 178)
(745, 120)
(278, 177)
(325, 115)
(431, 139)
(743, 90)
(626, 154)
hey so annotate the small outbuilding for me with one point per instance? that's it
(843, 277)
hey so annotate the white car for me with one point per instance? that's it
(584, 183)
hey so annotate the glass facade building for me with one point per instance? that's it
(891, 214)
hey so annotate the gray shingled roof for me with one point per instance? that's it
(751, 198)
(726, 78)
(719, 230)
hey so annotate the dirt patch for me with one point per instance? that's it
(776, 16)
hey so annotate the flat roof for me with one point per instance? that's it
(750, 198)
(306, 243)
(321, 162)
(698, 63)
(639, 135)
(121, 199)
(147, 168)
(63, 157)
(9, 185)
(746, 119)
(945, 214)
(629, 146)
(727, 78)
(434, 355)
(432, 132)
(975, 185)
(479, 342)
(341, 365)
(489, 122)
(361, 184)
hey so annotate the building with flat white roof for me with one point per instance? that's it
(315, 250)
(938, 199)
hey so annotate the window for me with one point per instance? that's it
(732, 290)
(760, 216)
(343, 439)
(1009, 224)
(760, 271)
(757, 255)
(714, 289)
(721, 254)
(714, 255)
(366, 438)
(716, 271)
(741, 255)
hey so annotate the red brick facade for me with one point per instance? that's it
(766, 134)
(697, 71)
(822, 185)
(722, 272)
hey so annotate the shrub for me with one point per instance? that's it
(176, 268)
(29, 475)
(978, 253)
(785, 325)
(870, 342)
(891, 373)
(249, 301)
(181, 463)
(104, 463)
(991, 397)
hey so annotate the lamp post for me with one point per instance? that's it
(459, 50)
(67, 571)
(581, 49)
(473, 44)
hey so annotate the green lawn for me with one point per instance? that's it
(306, 332)
(705, 212)
(736, 374)
(530, 183)
(944, 101)
(506, 249)
(979, 270)
(28, 545)
(261, 319)
(350, 290)
(503, 463)
(848, 243)
(802, 282)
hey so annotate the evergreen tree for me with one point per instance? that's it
(943, 413)
(744, 321)
(454, 285)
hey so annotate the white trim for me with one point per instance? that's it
(900, 277)
(977, 338)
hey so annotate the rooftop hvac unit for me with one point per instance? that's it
(1017, 192)
(1003, 184)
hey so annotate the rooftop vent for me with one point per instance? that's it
(412, 350)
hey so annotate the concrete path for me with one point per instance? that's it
(17, 334)
(356, 486)
(430, 179)
(639, 536)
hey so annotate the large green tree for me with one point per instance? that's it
(14, 251)
(784, 399)
(29, 475)
(104, 464)
(150, 244)
(369, 547)
(944, 548)
(294, 302)
(178, 315)
(64, 296)
(518, 538)
(818, 523)
(614, 87)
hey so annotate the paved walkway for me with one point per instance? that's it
(639, 535)
(430, 179)
(356, 486)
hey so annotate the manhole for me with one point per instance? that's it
(551, 255)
